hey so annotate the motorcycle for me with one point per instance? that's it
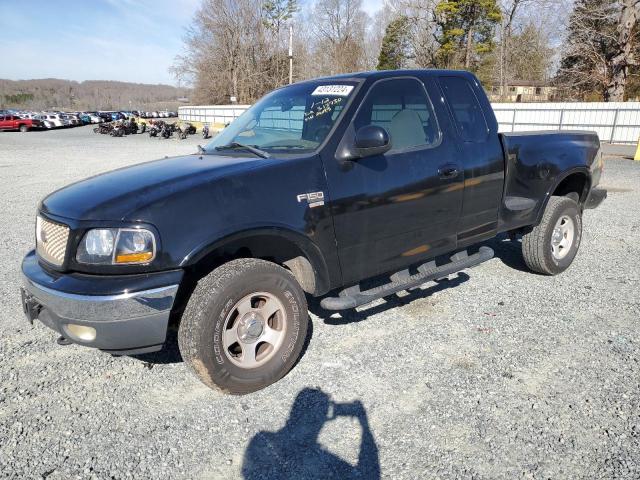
(156, 127)
(103, 128)
(167, 130)
(205, 132)
(184, 130)
(118, 131)
(130, 127)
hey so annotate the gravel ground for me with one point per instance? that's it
(507, 375)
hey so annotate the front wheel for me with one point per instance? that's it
(24, 128)
(244, 326)
(553, 244)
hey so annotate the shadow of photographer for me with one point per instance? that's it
(294, 451)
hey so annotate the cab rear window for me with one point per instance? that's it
(466, 109)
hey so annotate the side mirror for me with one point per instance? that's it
(371, 140)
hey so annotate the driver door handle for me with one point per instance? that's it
(448, 171)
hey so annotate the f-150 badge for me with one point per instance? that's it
(314, 199)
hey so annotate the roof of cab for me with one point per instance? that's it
(393, 73)
(380, 74)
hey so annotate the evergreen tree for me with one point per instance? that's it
(465, 31)
(394, 49)
(277, 13)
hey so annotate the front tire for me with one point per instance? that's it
(244, 326)
(553, 244)
(24, 128)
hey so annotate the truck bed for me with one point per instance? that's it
(536, 163)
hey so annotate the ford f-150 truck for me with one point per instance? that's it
(398, 175)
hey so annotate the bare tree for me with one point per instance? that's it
(233, 50)
(339, 27)
(625, 53)
(525, 38)
(601, 46)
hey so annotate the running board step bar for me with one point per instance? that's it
(353, 297)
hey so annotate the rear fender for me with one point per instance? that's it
(554, 186)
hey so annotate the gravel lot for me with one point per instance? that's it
(507, 375)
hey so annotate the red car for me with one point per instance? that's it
(13, 122)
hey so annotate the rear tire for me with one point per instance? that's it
(553, 244)
(244, 326)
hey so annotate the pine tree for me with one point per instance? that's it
(393, 52)
(277, 13)
(465, 31)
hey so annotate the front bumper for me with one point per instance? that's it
(120, 314)
(595, 198)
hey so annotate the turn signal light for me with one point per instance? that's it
(134, 257)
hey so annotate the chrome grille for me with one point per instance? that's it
(51, 241)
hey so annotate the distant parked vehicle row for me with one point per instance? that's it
(24, 121)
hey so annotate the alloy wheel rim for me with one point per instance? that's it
(562, 237)
(254, 330)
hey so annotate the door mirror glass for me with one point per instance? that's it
(372, 140)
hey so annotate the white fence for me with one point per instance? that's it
(615, 122)
(211, 113)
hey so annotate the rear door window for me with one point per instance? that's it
(465, 108)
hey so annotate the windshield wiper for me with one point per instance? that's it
(292, 147)
(252, 149)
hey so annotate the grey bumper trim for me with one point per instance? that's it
(94, 308)
(125, 322)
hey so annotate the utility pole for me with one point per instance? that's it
(290, 54)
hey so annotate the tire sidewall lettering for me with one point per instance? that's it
(295, 325)
(217, 331)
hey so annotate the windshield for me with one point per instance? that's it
(294, 119)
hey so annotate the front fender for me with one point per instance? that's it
(268, 242)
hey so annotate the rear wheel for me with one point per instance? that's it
(553, 244)
(244, 326)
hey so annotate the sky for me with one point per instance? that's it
(127, 40)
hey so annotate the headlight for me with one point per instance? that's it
(117, 246)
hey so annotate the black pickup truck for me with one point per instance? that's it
(319, 185)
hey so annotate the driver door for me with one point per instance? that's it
(401, 207)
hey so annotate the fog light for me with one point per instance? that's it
(81, 332)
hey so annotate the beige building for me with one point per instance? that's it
(523, 91)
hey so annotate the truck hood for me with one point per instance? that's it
(114, 195)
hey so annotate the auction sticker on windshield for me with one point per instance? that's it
(335, 90)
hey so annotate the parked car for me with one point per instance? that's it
(72, 120)
(48, 124)
(14, 122)
(54, 119)
(395, 173)
(85, 118)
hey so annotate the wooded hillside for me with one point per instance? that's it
(53, 93)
